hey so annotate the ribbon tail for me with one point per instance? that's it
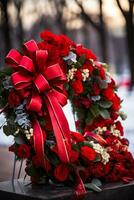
(39, 145)
(60, 127)
(80, 190)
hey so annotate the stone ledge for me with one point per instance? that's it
(24, 191)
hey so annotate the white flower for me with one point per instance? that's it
(101, 150)
(100, 130)
(71, 73)
(115, 131)
(85, 74)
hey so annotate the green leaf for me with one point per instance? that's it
(75, 147)
(5, 72)
(103, 84)
(93, 187)
(89, 118)
(94, 110)
(105, 104)
(31, 170)
(9, 129)
(104, 113)
(82, 59)
(85, 143)
(97, 182)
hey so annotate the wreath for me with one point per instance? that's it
(35, 86)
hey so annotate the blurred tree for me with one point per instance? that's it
(98, 25)
(5, 25)
(20, 33)
(128, 16)
(59, 6)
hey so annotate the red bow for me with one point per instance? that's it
(41, 84)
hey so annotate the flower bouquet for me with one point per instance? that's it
(35, 86)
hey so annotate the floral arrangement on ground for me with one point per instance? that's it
(35, 86)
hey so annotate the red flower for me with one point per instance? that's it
(125, 141)
(13, 99)
(96, 89)
(112, 83)
(116, 103)
(48, 36)
(119, 127)
(97, 169)
(108, 93)
(77, 86)
(78, 75)
(101, 70)
(24, 151)
(77, 137)
(114, 115)
(12, 148)
(102, 73)
(85, 102)
(61, 172)
(74, 155)
(80, 50)
(87, 65)
(88, 153)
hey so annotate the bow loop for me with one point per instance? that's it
(13, 58)
(30, 47)
(27, 64)
(54, 72)
(41, 83)
(41, 59)
(20, 81)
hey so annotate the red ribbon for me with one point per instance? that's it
(40, 84)
(97, 137)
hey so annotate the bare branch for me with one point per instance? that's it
(121, 9)
(86, 16)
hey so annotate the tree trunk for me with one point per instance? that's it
(5, 26)
(130, 43)
(102, 34)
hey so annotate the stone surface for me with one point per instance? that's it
(25, 191)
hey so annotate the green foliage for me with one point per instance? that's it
(97, 182)
(90, 117)
(95, 110)
(5, 72)
(52, 157)
(10, 128)
(104, 113)
(85, 143)
(31, 170)
(105, 104)
(92, 186)
(82, 59)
